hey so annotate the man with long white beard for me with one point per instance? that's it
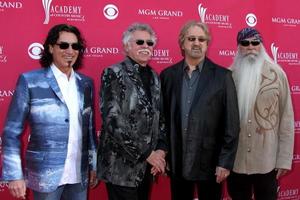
(266, 140)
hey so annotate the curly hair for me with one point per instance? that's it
(52, 37)
(138, 27)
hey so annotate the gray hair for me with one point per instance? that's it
(138, 27)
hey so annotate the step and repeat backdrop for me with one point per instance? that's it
(24, 25)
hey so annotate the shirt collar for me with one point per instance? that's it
(199, 66)
(58, 74)
(139, 67)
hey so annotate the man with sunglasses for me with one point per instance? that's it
(201, 114)
(132, 140)
(57, 103)
(265, 149)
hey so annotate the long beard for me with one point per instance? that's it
(247, 77)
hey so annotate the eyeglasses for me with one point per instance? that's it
(193, 39)
(65, 45)
(150, 43)
(246, 43)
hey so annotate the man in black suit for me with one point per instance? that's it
(202, 118)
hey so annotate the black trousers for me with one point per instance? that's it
(141, 192)
(243, 186)
(182, 189)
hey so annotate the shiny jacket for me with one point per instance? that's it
(39, 101)
(131, 126)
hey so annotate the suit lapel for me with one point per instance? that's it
(55, 87)
(53, 84)
(155, 88)
(204, 79)
(133, 74)
(178, 81)
(81, 87)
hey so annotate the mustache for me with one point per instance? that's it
(255, 53)
(144, 50)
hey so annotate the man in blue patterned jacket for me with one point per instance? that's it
(58, 104)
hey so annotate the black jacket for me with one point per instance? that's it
(131, 126)
(213, 125)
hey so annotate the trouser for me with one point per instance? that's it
(63, 192)
(243, 186)
(182, 189)
(141, 192)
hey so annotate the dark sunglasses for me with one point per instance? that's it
(193, 39)
(65, 45)
(246, 43)
(150, 43)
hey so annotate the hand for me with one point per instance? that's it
(281, 172)
(17, 188)
(93, 179)
(161, 153)
(221, 174)
(157, 160)
(155, 171)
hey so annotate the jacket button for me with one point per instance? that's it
(66, 120)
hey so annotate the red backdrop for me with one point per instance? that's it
(24, 25)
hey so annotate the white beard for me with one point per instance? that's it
(247, 77)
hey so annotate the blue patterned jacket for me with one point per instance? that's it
(39, 101)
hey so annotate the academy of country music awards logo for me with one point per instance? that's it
(291, 58)
(288, 194)
(3, 57)
(162, 56)
(160, 14)
(10, 5)
(69, 12)
(221, 20)
(286, 21)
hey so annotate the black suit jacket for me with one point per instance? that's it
(213, 125)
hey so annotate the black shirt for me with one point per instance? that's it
(146, 77)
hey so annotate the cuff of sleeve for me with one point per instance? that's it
(145, 155)
(92, 160)
(162, 146)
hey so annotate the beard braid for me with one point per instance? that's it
(247, 78)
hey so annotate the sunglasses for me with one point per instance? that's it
(150, 43)
(193, 39)
(246, 43)
(65, 45)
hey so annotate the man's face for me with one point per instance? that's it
(195, 43)
(140, 47)
(65, 58)
(250, 47)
